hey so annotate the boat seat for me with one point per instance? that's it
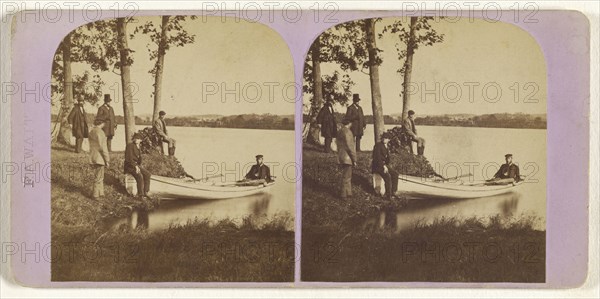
(378, 184)
(130, 185)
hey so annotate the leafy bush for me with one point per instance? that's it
(154, 159)
(402, 160)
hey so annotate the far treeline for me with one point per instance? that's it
(244, 121)
(496, 120)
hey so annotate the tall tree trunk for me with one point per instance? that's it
(317, 101)
(160, 60)
(129, 117)
(64, 134)
(410, 50)
(378, 121)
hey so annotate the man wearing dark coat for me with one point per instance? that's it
(133, 166)
(259, 171)
(381, 166)
(508, 172)
(356, 116)
(327, 124)
(79, 127)
(107, 113)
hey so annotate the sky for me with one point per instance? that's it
(464, 73)
(231, 68)
(242, 67)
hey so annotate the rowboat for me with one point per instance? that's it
(185, 188)
(417, 187)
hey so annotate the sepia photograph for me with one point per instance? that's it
(424, 152)
(173, 152)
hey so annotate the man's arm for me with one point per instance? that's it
(71, 116)
(351, 147)
(249, 174)
(499, 172)
(103, 147)
(377, 157)
(408, 128)
(158, 127)
(350, 115)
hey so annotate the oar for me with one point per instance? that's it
(454, 178)
(209, 177)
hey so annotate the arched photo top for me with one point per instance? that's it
(457, 66)
(203, 65)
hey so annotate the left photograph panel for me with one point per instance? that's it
(172, 155)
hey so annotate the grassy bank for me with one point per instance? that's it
(196, 252)
(336, 246)
(85, 248)
(445, 251)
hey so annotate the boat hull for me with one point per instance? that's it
(427, 188)
(172, 188)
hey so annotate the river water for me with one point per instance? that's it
(212, 151)
(455, 151)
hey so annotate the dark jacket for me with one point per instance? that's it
(326, 119)
(79, 122)
(259, 172)
(508, 171)
(355, 115)
(381, 157)
(133, 158)
(107, 113)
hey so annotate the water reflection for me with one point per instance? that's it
(179, 212)
(426, 211)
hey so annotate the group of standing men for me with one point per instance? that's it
(100, 141)
(348, 143)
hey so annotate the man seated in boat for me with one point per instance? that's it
(259, 174)
(507, 174)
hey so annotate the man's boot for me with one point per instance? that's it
(172, 151)
(420, 150)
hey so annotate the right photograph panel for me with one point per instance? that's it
(424, 153)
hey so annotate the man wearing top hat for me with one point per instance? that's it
(161, 128)
(508, 172)
(327, 123)
(79, 127)
(355, 115)
(259, 171)
(107, 113)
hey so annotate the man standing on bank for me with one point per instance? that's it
(411, 130)
(133, 165)
(327, 123)
(381, 166)
(99, 157)
(346, 157)
(355, 115)
(79, 127)
(107, 113)
(161, 128)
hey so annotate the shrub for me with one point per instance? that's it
(154, 160)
